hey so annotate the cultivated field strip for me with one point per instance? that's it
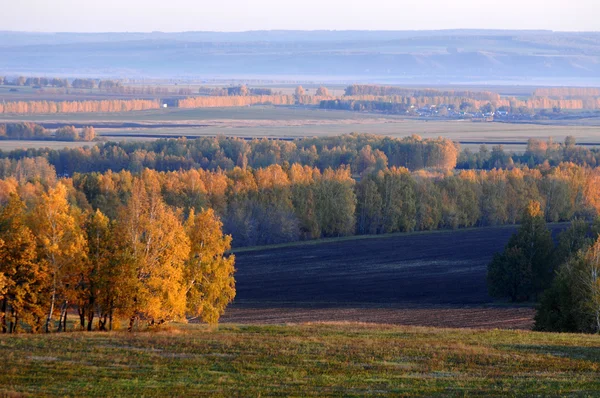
(429, 279)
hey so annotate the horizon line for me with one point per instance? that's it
(306, 31)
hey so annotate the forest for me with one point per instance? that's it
(281, 191)
(373, 98)
(33, 131)
(147, 263)
(98, 229)
(136, 235)
(225, 153)
(359, 152)
(152, 245)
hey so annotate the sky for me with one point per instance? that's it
(242, 15)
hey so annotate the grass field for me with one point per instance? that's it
(294, 122)
(301, 360)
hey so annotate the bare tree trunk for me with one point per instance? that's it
(63, 313)
(16, 325)
(11, 324)
(102, 321)
(90, 320)
(81, 312)
(131, 322)
(65, 319)
(51, 304)
(3, 319)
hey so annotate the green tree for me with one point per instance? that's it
(66, 133)
(525, 268)
(510, 275)
(336, 203)
(368, 209)
(572, 303)
(588, 280)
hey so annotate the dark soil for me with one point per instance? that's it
(429, 279)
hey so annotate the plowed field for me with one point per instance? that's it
(429, 279)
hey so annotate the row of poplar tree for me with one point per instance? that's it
(152, 262)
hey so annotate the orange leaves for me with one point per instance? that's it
(246, 100)
(271, 177)
(209, 281)
(107, 106)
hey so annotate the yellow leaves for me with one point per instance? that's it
(58, 233)
(534, 209)
(24, 277)
(241, 181)
(78, 106)
(3, 281)
(153, 234)
(592, 190)
(7, 187)
(209, 275)
(302, 175)
(271, 177)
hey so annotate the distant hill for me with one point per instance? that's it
(370, 56)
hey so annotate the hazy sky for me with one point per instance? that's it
(239, 15)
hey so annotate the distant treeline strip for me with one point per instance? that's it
(358, 90)
(359, 100)
(358, 151)
(240, 100)
(33, 131)
(25, 107)
(565, 92)
(544, 98)
(362, 153)
(367, 102)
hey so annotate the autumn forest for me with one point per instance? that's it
(326, 212)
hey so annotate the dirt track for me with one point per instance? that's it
(429, 279)
(435, 316)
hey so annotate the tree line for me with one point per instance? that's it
(562, 276)
(548, 98)
(278, 204)
(322, 98)
(358, 151)
(385, 91)
(567, 92)
(150, 262)
(537, 152)
(241, 90)
(33, 131)
(35, 81)
(111, 106)
(246, 100)
(350, 150)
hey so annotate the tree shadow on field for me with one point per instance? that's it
(591, 354)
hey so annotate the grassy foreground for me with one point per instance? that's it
(301, 360)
